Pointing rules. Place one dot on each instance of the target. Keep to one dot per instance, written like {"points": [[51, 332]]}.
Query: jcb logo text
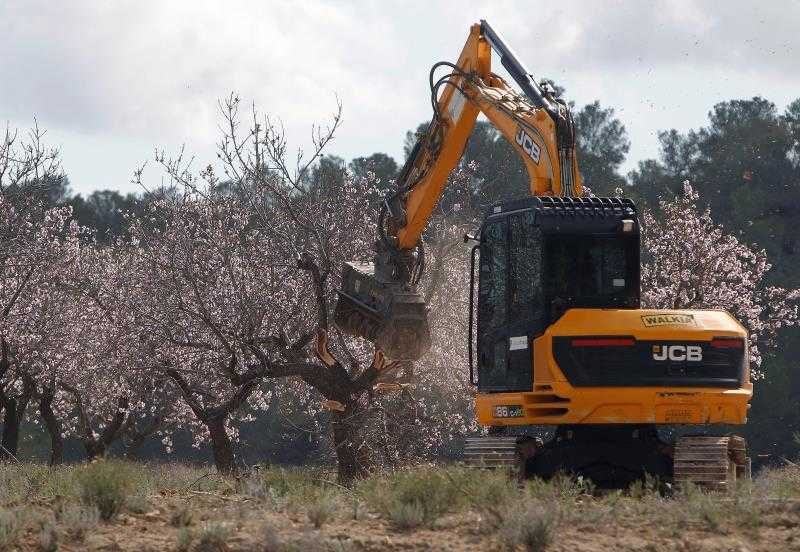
{"points": [[528, 145], [678, 353]]}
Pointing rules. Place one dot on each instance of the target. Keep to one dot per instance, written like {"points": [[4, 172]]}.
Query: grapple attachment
{"points": [[382, 311]]}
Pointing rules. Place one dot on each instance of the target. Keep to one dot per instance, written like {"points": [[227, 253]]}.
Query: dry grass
{"points": [[213, 538], [10, 528], [107, 486], [98, 506], [412, 498], [322, 509], [531, 526], [78, 520]]}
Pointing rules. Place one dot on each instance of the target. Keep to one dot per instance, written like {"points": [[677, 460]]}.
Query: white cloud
{"points": [[110, 77]]}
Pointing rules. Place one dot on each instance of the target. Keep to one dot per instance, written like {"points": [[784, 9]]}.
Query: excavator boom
{"points": [[378, 300]]}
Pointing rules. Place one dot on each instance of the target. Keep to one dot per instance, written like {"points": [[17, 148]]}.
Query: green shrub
{"points": [[780, 483], [281, 488], [138, 503], [106, 485], [487, 491], [182, 517], [559, 486], [10, 528], [47, 537], [408, 515], [270, 541], [288, 482], [412, 498], [309, 541], [698, 505], [322, 509], [174, 476], [530, 526], [185, 540], [649, 487], [213, 538], [19, 482], [78, 520]]}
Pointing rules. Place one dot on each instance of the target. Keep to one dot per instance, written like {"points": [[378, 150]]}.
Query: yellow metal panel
{"points": [[554, 401]]}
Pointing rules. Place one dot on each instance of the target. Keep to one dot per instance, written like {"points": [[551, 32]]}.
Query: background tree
{"points": [[30, 175], [743, 165], [602, 144], [694, 263]]}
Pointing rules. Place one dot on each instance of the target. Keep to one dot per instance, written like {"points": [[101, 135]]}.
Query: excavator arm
{"points": [[537, 125], [379, 301]]}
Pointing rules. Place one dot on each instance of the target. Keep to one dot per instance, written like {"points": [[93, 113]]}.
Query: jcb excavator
{"points": [[560, 337]]}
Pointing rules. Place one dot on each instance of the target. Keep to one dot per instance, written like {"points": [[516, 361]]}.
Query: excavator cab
{"points": [[539, 257]]}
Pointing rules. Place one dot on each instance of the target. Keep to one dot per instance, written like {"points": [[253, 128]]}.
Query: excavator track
{"points": [[493, 453], [713, 463]]}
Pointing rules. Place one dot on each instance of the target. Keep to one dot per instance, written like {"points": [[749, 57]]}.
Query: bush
{"points": [[703, 506], [281, 488], [311, 541], [106, 485], [288, 483], [185, 540], [10, 528], [322, 509], [79, 520], [270, 541], [138, 503], [182, 517], [530, 526], [19, 482], [213, 538], [487, 491], [175, 476], [780, 483], [408, 515], [560, 486], [412, 498], [47, 538]]}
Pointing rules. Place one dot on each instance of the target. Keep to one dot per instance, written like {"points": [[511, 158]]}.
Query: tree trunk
{"points": [[93, 448], [348, 456], [15, 413], [133, 443], [221, 446], [10, 440], [97, 445], [53, 426]]}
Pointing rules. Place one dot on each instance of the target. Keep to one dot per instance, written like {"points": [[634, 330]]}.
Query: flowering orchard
{"points": [[691, 262], [218, 305]]}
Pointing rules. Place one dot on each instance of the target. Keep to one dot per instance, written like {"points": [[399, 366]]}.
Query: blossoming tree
{"points": [[692, 262]]}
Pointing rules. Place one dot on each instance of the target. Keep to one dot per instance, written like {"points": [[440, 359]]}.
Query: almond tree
{"points": [[39, 244], [692, 262], [27, 166], [237, 275], [203, 292], [436, 407], [106, 384]]}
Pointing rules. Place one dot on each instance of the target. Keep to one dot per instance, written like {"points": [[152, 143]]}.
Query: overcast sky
{"points": [[112, 81]]}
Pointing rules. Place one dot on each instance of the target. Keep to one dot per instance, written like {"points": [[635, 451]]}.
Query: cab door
{"points": [[510, 310]]}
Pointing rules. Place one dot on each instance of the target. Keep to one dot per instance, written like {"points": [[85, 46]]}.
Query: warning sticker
{"points": [[457, 101]]}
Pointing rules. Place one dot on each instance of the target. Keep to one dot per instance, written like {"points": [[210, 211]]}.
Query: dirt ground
{"points": [[779, 530], [202, 515]]}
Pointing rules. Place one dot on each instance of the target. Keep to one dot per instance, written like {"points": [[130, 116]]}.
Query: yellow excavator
{"points": [[556, 334]]}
